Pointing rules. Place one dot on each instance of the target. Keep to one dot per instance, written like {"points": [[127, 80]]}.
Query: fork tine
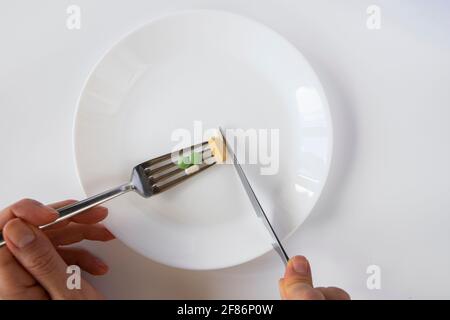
{"points": [[167, 156], [156, 160], [164, 187], [195, 146], [165, 167], [176, 171], [168, 175], [161, 168]]}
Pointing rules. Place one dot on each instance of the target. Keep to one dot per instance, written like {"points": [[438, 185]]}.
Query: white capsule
{"points": [[192, 169]]}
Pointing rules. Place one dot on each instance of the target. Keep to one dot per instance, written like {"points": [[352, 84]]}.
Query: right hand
{"points": [[297, 284]]}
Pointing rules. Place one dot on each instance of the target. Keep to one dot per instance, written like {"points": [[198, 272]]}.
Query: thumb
{"points": [[37, 255], [297, 282]]}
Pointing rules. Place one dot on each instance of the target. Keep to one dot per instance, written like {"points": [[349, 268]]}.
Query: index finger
{"points": [[29, 210], [91, 216], [13, 277]]}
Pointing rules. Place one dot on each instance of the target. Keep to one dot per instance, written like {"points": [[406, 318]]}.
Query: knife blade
{"points": [[276, 243]]}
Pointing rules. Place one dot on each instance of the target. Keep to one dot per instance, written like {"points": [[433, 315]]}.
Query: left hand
{"points": [[34, 263]]}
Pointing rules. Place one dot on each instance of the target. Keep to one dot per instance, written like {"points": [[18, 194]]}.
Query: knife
{"points": [[276, 243]]}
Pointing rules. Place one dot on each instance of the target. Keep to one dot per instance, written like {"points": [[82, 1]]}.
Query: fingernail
{"points": [[101, 264], [19, 233], [53, 211], [300, 265], [105, 209], [112, 236]]}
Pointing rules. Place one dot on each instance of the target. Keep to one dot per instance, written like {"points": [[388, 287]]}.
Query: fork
{"points": [[147, 179]]}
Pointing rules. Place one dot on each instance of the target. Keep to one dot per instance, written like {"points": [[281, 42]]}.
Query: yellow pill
{"points": [[218, 148]]}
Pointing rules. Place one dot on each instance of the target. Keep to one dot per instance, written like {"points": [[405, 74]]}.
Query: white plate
{"points": [[221, 69]]}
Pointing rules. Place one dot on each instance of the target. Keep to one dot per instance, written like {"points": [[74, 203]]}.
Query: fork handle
{"points": [[78, 207]]}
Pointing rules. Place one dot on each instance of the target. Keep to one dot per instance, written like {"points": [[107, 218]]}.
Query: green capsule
{"points": [[183, 163], [187, 161], [196, 157]]}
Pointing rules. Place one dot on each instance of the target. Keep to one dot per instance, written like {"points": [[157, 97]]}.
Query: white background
{"points": [[387, 198]]}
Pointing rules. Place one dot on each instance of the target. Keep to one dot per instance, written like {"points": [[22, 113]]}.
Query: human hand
{"points": [[34, 263], [297, 284]]}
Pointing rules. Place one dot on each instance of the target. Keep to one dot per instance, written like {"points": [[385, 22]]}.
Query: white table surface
{"points": [[387, 198]]}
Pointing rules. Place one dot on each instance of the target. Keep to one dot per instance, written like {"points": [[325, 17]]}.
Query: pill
{"points": [[196, 157], [191, 159], [192, 169], [218, 148]]}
